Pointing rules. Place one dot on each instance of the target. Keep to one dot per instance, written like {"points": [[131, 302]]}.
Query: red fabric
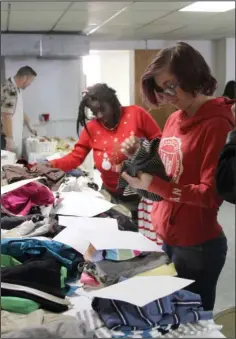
{"points": [[134, 120], [20, 201], [190, 148]]}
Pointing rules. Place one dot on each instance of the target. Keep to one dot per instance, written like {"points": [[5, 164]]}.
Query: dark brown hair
{"points": [[26, 71], [189, 67], [103, 94]]}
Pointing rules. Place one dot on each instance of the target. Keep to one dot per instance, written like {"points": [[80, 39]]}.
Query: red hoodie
{"points": [[106, 144], [190, 148]]}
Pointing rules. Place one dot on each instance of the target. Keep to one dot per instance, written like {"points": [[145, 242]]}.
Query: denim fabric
{"points": [[202, 263]]}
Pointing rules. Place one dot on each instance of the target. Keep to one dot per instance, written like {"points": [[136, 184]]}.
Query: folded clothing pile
{"points": [[108, 272], [20, 201], [53, 176], [33, 284], [178, 314], [30, 248]]}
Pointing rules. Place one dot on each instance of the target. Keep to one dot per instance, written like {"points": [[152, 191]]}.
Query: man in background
{"points": [[12, 113]]}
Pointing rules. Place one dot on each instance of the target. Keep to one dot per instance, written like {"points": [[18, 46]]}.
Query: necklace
{"points": [[110, 129]]}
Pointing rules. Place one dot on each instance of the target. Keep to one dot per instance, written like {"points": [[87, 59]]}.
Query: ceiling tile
{"points": [[3, 20], [134, 18], [39, 6], [78, 18], [100, 6], [161, 27], [161, 6], [187, 18], [33, 21]]}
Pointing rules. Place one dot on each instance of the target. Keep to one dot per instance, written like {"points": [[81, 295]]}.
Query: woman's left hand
{"points": [[142, 181]]}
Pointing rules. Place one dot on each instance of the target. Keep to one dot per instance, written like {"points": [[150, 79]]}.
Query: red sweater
{"points": [[106, 144], [190, 149]]}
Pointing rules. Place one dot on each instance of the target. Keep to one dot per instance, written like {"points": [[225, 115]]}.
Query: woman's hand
{"points": [[142, 181], [130, 146]]}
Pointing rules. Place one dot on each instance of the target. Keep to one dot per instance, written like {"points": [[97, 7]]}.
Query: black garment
{"points": [[202, 263], [42, 275], [146, 160], [226, 170], [8, 223], [130, 202], [124, 222], [3, 142]]}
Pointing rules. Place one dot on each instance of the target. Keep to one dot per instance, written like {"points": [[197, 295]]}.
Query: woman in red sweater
{"points": [[110, 126], [192, 140]]}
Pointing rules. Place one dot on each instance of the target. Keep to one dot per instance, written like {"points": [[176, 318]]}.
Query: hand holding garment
{"points": [[20, 201], [148, 162]]}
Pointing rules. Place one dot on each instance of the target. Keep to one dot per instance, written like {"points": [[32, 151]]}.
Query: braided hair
{"points": [[103, 94]]}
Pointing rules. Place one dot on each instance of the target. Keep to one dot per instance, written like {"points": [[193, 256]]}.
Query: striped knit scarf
{"points": [[146, 160]]}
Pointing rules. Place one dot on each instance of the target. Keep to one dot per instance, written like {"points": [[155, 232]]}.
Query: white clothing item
{"points": [[18, 121]]}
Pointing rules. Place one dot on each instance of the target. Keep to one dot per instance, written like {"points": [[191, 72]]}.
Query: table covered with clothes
{"points": [[46, 284]]}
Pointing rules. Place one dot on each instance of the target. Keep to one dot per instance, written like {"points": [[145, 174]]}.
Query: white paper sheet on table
{"points": [[103, 236], [142, 290], [78, 230], [123, 240], [88, 224], [74, 239], [15, 185], [82, 204]]}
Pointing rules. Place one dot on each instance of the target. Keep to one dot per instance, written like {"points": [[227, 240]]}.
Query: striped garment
{"points": [[145, 221], [95, 327], [147, 160], [181, 307]]}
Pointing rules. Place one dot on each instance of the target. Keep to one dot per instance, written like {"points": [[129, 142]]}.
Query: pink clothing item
{"points": [[21, 200], [88, 280]]}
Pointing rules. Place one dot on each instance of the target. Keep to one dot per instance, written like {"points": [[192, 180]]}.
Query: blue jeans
{"points": [[202, 263]]}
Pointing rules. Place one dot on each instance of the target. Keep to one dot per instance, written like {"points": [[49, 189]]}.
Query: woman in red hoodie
{"points": [[111, 124], [191, 142]]}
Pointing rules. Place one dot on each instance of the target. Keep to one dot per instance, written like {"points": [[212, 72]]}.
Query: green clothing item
{"points": [[8, 261], [18, 305], [21, 305]]}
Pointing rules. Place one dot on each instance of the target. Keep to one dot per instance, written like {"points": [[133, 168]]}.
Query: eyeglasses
{"points": [[169, 90]]}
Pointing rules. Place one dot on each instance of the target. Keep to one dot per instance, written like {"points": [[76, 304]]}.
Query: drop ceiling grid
{"points": [[139, 20], [32, 20]]}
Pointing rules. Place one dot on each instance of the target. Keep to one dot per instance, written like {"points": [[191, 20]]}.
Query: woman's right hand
{"points": [[130, 146]]}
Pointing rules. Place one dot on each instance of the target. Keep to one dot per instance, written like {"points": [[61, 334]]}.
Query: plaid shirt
{"points": [[8, 97]]}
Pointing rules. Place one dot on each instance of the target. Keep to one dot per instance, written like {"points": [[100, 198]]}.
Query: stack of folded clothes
{"points": [[177, 315]]}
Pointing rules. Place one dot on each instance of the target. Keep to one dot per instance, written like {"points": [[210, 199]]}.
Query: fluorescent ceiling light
{"points": [[209, 6]]}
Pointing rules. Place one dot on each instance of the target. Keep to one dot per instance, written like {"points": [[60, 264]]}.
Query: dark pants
{"points": [[3, 142], [202, 263]]}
